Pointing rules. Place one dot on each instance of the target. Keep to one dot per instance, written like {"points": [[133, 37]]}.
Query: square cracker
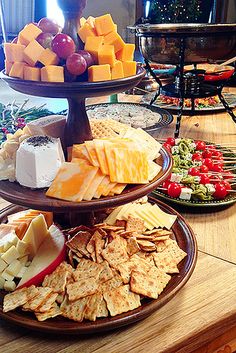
{"points": [[106, 273], [134, 263], [18, 298], [116, 252], [79, 242], [73, 310], [144, 284], [82, 288], [48, 303], [52, 312], [175, 251], [87, 268], [115, 282], [165, 262], [135, 224], [121, 300], [92, 306], [57, 280], [38, 300]]}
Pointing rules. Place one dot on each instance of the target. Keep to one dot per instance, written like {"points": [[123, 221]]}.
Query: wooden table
{"points": [[202, 316]]}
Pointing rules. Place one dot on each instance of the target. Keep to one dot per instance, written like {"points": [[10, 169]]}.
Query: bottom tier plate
{"points": [[186, 240]]}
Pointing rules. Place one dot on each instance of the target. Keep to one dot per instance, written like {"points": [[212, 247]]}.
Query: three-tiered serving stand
{"points": [[69, 214]]}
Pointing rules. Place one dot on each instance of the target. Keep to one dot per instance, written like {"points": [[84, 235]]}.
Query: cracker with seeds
{"points": [[165, 262], [82, 288], [79, 242], [37, 301], [48, 303], [106, 272], [18, 298], [146, 245], [134, 263], [87, 268], [92, 306], [57, 280], [135, 224], [144, 284], [99, 243], [73, 310], [116, 252], [115, 282], [52, 312], [121, 300]]}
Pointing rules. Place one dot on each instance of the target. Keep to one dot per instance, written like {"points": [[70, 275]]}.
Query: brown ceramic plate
{"points": [[17, 194], [186, 240]]}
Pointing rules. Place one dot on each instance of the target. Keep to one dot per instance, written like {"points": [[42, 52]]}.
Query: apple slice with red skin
{"points": [[49, 255]]}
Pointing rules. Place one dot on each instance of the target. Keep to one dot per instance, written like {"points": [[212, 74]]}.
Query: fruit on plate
{"points": [[41, 52], [49, 255], [199, 171]]}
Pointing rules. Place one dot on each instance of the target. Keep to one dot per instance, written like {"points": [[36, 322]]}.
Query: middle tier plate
{"points": [[36, 199]]}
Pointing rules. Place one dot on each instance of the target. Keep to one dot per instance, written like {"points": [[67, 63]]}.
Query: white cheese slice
{"points": [[111, 219], [10, 255], [176, 178], [14, 268]]}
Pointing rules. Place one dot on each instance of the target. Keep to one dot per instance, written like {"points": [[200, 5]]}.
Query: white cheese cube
{"points": [[192, 145], [175, 149], [176, 178], [14, 268], [10, 255], [177, 141], [185, 193], [188, 156], [7, 276], [22, 247], [23, 260], [9, 286], [2, 281], [3, 265], [197, 178], [210, 188], [21, 272], [197, 163], [7, 241]]}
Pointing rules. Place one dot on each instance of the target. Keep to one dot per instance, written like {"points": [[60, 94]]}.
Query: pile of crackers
{"points": [[112, 268]]}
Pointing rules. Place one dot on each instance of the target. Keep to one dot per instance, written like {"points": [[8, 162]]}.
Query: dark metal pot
{"points": [[203, 42]]}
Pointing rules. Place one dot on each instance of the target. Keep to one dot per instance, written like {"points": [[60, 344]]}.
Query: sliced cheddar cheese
{"points": [[101, 156], [90, 192], [80, 151], [92, 153]]}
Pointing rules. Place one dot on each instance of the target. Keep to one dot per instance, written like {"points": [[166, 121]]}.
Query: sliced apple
{"points": [[49, 255]]}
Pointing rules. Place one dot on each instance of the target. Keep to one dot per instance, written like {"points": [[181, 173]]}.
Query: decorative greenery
{"points": [[14, 116], [175, 11]]}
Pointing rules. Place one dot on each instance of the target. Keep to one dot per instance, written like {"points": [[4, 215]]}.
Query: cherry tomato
{"points": [[170, 141], [204, 179], [174, 190], [200, 145], [217, 167], [226, 184], [167, 146], [197, 156], [208, 162], [204, 168], [220, 191], [194, 171], [215, 179], [229, 175], [165, 184], [206, 154], [217, 153]]}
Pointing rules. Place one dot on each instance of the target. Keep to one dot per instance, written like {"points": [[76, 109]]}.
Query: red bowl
{"points": [[221, 76]]}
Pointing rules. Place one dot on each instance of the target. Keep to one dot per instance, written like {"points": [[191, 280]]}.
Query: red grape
{"points": [[200, 145], [194, 171], [87, 56], [220, 191], [170, 141], [49, 26], [174, 190], [63, 45], [76, 64], [45, 39]]}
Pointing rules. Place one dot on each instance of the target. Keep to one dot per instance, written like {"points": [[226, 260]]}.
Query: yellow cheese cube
{"points": [[3, 265], [14, 268], [86, 31], [126, 53], [106, 55], [17, 70], [29, 33], [2, 282], [48, 57], [130, 68], [104, 24], [52, 73], [99, 73], [82, 21], [93, 45], [91, 20], [32, 73], [8, 66], [113, 38], [9, 286], [14, 52], [117, 71], [7, 276], [10, 255], [33, 52]]}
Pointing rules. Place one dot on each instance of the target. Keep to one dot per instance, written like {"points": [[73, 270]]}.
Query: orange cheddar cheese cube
{"points": [[82, 21], [86, 31], [52, 73], [32, 73], [33, 52], [117, 70], [126, 53], [8, 66], [48, 57], [106, 55], [130, 68], [93, 45], [14, 52], [99, 73], [29, 33], [91, 20], [17, 70], [104, 24], [113, 38]]}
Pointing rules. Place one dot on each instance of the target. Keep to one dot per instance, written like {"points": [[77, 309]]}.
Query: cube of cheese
{"points": [[2, 282], [93, 45], [7, 276], [17, 70], [52, 73], [48, 57], [22, 248], [14, 268], [9, 286], [104, 24], [113, 38], [29, 33], [91, 21], [32, 73], [21, 272], [14, 52], [8, 66], [106, 55], [3, 265], [10, 239], [99, 73], [33, 52], [117, 70], [130, 68], [86, 31], [82, 21], [126, 53], [10, 255]]}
